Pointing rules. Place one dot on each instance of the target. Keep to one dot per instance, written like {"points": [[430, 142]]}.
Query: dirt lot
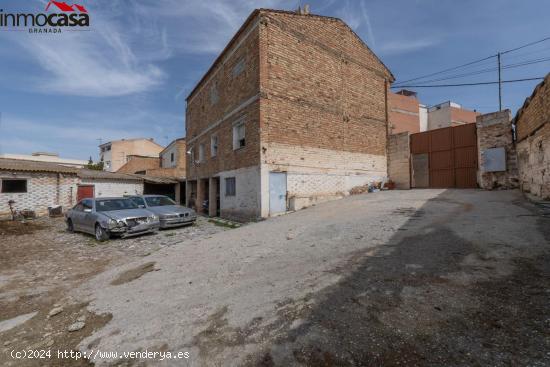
{"points": [[42, 263], [415, 278]]}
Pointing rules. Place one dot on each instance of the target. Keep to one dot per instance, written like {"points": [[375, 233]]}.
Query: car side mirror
{"points": [[87, 210]]}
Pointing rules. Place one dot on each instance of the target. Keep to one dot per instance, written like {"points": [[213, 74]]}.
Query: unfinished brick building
{"points": [[292, 112]]}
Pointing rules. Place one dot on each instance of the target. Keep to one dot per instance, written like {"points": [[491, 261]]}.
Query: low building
{"points": [[291, 113], [532, 125], [36, 186], [46, 157], [117, 153], [448, 114]]}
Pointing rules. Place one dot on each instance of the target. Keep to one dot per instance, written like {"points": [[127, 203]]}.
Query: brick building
{"points": [[532, 124], [292, 112], [406, 113]]}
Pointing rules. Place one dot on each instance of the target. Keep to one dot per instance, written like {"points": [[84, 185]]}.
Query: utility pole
{"points": [[499, 84]]}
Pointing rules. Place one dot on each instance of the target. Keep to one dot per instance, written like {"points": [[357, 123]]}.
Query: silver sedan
{"points": [[104, 217], [170, 213]]}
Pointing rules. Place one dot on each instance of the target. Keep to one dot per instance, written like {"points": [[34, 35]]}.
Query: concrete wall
{"points": [[399, 155], [246, 204], [43, 190], [494, 130], [107, 188]]}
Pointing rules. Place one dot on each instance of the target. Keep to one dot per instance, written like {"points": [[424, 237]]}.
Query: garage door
{"points": [[84, 192], [451, 157]]}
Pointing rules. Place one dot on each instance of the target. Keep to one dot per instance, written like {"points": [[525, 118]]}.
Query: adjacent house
{"points": [[292, 112], [36, 186], [117, 153], [532, 127], [449, 114], [164, 174], [406, 113]]}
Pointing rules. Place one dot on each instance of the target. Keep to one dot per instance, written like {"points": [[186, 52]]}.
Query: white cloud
{"points": [[99, 63], [405, 46]]}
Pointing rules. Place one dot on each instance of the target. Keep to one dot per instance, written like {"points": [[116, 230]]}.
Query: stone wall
{"points": [[494, 130], [399, 155], [533, 141]]}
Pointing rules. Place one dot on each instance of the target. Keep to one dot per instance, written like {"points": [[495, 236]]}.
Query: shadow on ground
{"points": [[414, 302]]}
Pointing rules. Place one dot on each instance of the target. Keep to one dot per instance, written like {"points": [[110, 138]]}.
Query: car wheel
{"points": [[100, 233], [70, 226]]}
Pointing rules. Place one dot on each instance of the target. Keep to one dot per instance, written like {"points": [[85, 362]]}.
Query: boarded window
{"points": [[172, 157], [10, 186], [230, 186], [214, 96], [239, 136], [238, 68], [201, 153], [213, 146]]}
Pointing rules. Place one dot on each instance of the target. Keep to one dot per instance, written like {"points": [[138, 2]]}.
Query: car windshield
{"points": [[159, 201], [114, 204]]}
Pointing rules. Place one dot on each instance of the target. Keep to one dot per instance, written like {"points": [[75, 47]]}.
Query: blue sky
{"points": [[128, 77]]}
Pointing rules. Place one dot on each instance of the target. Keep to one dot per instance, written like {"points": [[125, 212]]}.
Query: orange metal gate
{"points": [[450, 154]]}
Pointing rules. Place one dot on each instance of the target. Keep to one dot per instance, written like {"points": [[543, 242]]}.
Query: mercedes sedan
{"points": [[106, 217], [169, 213]]}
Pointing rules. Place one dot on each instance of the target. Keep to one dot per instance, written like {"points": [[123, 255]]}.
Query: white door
{"points": [[277, 192]]}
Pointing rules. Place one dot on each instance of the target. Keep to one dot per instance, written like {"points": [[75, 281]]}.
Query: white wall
{"points": [[246, 203], [165, 157], [106, 188]]}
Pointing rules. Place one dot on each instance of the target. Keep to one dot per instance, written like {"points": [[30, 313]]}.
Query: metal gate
{"points": [[450, 154]]}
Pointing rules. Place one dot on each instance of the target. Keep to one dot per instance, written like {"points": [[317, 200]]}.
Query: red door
{"points": [[84, 192]]}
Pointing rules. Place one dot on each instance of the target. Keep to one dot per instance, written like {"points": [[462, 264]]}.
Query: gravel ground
{"points": [[40, 266], [416, 278]]}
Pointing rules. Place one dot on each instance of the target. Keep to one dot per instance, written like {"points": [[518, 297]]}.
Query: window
{"points": [[87, 204], [230, 186], [238, 68], [192, 150], [172, 157], [107, 164], [213, 146], [239, 136], [11, 186], [214, 96], [139, 201], [201, 153]]}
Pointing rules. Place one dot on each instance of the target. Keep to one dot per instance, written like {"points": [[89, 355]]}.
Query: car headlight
{"points": [[153, 218]]}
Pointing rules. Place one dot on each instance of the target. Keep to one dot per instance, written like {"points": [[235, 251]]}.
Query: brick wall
{"points": [[399, 154], [494, 130], [403, 113], [136, 164], [43, 190], [229, 93]]}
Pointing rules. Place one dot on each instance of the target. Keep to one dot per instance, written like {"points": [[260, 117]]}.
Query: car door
{"points": [[77, 216], [88, 216]]}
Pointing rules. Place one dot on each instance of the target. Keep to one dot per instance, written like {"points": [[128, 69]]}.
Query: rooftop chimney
{"points": [[304, 10]]}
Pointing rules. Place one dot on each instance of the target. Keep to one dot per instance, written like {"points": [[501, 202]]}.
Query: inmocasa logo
{"points": [[61, 16]]}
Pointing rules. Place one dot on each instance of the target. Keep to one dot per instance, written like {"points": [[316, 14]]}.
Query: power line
{"points": [[473, 62], [526, 45], [466, 84], [450, 69]]}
